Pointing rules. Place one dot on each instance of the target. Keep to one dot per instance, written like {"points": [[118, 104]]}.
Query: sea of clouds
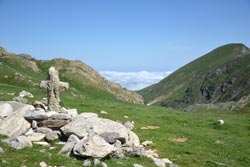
{"points": [[135, 80]]}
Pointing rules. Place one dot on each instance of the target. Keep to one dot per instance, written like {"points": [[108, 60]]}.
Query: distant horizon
{"points": [[157, 36]]}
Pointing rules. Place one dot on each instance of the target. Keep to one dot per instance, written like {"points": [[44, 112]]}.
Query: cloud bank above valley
{"points": [[135, 80]]}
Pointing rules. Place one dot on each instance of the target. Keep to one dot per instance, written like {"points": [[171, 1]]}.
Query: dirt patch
{"points": [[178, 139], [151, 127]]}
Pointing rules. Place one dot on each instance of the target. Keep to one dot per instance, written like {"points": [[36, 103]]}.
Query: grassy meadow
{"points": [[207, 144]]}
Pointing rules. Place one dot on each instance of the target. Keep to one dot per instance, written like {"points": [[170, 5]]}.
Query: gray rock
{"points": [[20, 99], [1, 150], [110, 137], [161, 162], [104, 164], [147, 143], [103, 112], [129, 125], [16, 105], [18, 142], [95, 147], [43, 164], [38, 114], [36, 136], [81, 125], [96, 162], [137, 165], [34, 124], [5, 110], [60, 116], [39, 105], [25, 94], [72, 140], [43, 130], [15, 124], [41, 143], [51, 136], [87, 163]]}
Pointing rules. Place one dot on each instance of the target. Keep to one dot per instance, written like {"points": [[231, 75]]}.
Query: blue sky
{"points": [[154, 36]]}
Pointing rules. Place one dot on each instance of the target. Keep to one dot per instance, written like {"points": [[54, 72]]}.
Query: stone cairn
{"points": [[86, 135]]}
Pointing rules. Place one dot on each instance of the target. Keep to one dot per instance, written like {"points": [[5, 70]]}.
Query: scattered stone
{"points": [[87, 163], [25, 94], [72, 140], [173, 165], [43, 164], [18, 142], [36, 136], [129, 125], [147, 143], [41, 143], [4, 161], [42, 150], [1, 150], [137, 165], [103, 112], [104, 164], [178, 139], [6, 110], [220, 122], [125, 116], [161, 162], [51, 136], [39, 105], [150, 154], [20, 99], [43, 130], [96, 162], [219, 142], [95, 146], [28, 132], [10, 94]]}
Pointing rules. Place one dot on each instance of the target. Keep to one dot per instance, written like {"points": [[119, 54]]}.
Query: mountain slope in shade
{"points": [[221, 75], [24, 71]]}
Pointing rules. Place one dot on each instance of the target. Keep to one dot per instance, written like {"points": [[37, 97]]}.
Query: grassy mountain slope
{"points": [[207, 144], [219, 76], [25, 72]]}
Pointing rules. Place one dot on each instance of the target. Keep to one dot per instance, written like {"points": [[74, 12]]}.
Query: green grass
{"points": [[200, 149]]}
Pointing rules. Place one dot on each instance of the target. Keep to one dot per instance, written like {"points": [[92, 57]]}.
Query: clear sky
{"points": [[123, 35]]}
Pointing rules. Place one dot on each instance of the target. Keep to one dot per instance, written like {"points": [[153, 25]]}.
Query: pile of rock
{"points": [[87, 135]]}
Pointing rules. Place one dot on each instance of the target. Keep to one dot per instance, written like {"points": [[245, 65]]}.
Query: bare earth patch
{"points": [[178, 139], [151, 127]]}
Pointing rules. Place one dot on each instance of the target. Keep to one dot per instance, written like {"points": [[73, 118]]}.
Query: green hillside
{"points": [[207, 144], [221, 75], [23, 72]]}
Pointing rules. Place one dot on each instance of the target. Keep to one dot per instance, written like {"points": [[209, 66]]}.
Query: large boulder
{"points": [[18, 142], [86, 122], [5, 110], [94, 146], [15, 124]]}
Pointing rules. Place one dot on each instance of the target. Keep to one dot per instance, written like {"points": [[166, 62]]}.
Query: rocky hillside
{"points": [[24, 71], [222, 75]]}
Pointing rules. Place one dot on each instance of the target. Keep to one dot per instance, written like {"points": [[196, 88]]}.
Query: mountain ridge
{"points": [[23, 70], [217, 76]]}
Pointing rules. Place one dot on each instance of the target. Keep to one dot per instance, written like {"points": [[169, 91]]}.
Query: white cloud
{"points": [[134, 80]]}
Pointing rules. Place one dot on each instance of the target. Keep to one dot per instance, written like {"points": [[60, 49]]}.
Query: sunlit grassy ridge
{"points": [[225, 68]]}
